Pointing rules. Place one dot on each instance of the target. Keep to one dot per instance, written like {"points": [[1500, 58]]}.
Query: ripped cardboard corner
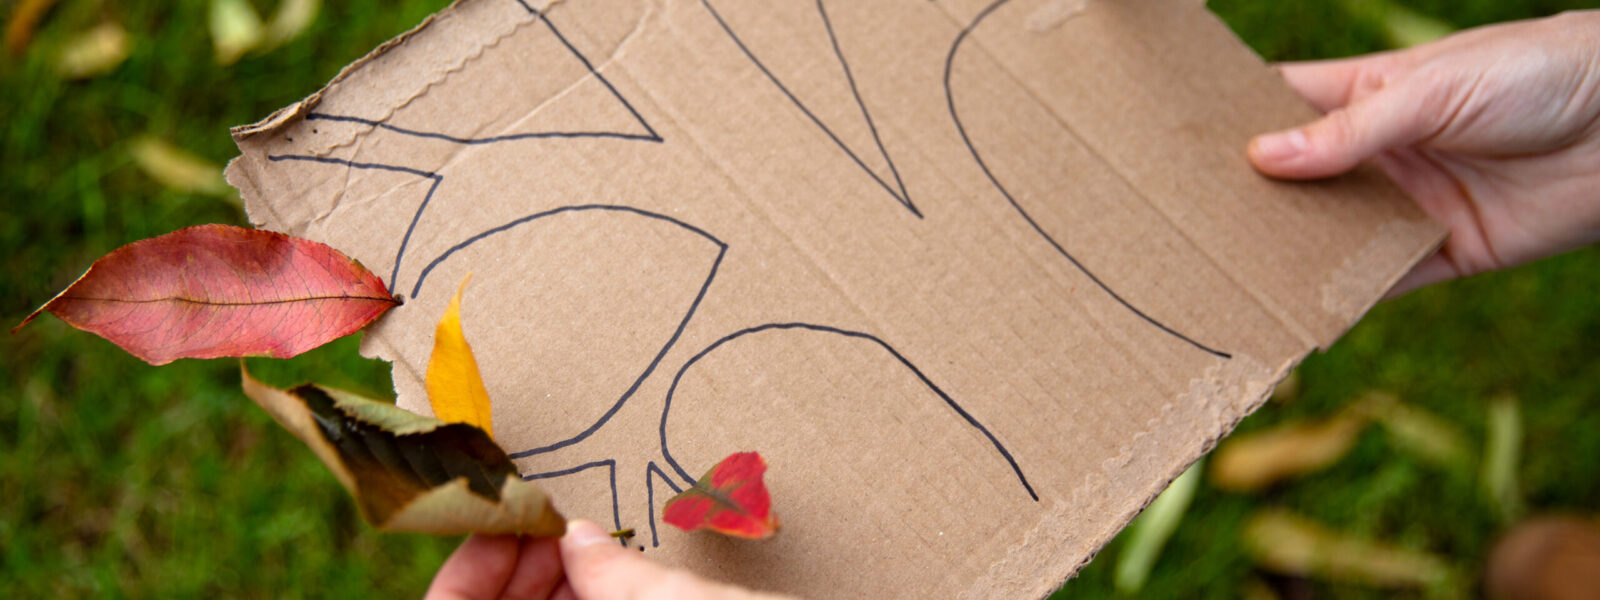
{"points": [[977, 277]]}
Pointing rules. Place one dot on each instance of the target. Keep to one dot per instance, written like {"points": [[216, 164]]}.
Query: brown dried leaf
{"points": [[409, 472], [1253, 461]]}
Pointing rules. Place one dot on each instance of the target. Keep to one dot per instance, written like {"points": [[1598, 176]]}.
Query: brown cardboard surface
{"points": [[977, 277]]}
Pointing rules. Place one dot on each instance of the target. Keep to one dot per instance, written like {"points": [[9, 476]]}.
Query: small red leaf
{"points": [[730, 499], [216, 290]]}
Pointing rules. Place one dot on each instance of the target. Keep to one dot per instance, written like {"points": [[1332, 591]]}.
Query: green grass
{"points": [[122, 479]]}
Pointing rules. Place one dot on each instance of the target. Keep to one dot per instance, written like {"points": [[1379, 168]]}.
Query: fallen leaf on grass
{"points": [[235, 29], [1149, 532], [216, 290], [94, 52], [455, 387], [409, 472], [1502, 450], [291, 20], [730, 499], [25, 18], [1285, 543], [1256, 460], [179, 170], [1417, 431]]}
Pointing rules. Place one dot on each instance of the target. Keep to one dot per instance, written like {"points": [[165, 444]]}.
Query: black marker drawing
{"points": [[722, 249], [611, 471], [949, 67], [436, 178], [666, 407], [901, 195], [652, 469], [648, 135]]}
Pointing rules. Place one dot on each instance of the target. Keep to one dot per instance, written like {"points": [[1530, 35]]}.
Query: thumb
{"points": [[1389, 118], [598, 568]]}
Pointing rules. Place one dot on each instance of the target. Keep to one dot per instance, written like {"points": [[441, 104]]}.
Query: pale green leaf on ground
{"points": [[1149, 532], [1502, 452], [291, 20], [408, 472], [1285, 543], [235, 29], [1252, 461], [179, 170], [1417, 431], [94, 52]]}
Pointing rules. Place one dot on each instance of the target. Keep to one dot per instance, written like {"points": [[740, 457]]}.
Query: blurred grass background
{"points": [[121, 479]]}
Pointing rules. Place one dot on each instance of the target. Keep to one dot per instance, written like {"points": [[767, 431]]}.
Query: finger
{"points": [[599, 569], [1325, 84], [538, 570], [478, 570], [1431, 270], [1392, 117]]}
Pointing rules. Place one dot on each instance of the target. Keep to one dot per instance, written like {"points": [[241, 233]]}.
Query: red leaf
{"points": [[217, 290], [730, 499]]}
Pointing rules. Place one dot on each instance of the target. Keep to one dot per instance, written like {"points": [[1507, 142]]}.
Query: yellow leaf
{"points": [[455, 388], [1282, 542], [94, 52]]}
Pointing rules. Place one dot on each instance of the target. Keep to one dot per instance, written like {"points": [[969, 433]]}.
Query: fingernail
{"points": [[1279, 146], [581, 533]]}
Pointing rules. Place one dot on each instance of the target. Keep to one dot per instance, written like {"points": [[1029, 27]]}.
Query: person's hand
{"points": [[586, 564], [1495, 132]]}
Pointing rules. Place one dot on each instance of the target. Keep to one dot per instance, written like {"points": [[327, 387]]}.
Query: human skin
{"points": [[584, 564], [1494, 132]]}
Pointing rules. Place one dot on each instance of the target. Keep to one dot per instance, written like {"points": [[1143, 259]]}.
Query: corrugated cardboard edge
{"points": [[1030, 570], [289, 113], [239, 172], [1228, 391], [1342, 293]]}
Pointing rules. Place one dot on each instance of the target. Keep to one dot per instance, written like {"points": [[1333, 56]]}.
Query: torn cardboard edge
{"points": [[818, 304]]}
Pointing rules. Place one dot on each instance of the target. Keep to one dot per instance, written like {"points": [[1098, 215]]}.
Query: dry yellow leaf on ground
{"points": [[1252, 461], [455, 388], [95, 52]]}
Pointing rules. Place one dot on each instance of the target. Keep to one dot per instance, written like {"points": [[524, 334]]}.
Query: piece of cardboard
{"points": [[977, 277]]}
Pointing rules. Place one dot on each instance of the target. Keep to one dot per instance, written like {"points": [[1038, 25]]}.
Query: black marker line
{"points": [[949, 95], [611, 465], [650, 136], [399, 254], [650, 496], [667, 405], [590, 66], [905, 197], [722, 251], [485, 140], [904, 201]]}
